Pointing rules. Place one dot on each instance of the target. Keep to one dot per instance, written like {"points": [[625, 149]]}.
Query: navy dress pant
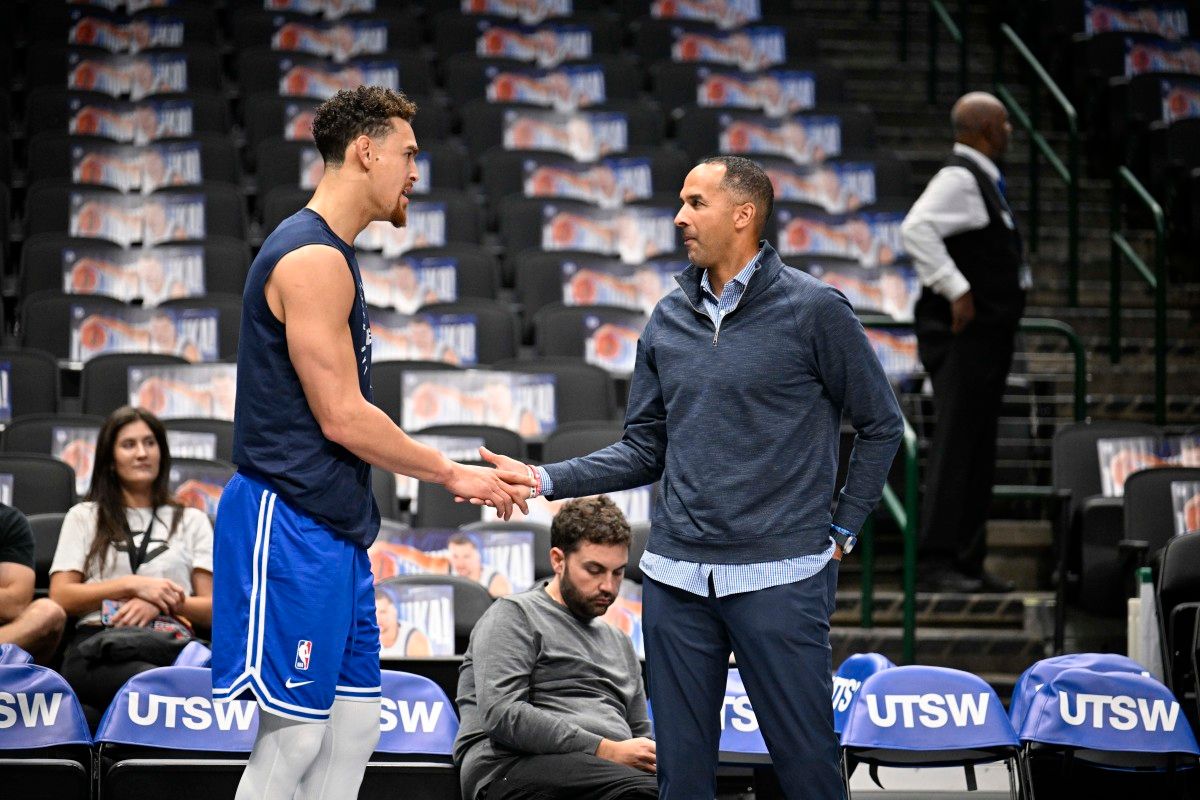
{"points": [[780, 636]]}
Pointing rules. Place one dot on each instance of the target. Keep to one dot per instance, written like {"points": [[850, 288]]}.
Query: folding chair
{"points": [[1178, 609], [56, 108], [197, 753], [849, 679], [416, 741], [46, 750], [104, 382], [470, 599], [33, 380], [1126, 726], [1046, 670], [959, 722], [41, 484]]}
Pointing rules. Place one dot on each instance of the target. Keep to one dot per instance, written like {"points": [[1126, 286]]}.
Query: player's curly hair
{"points": [[353, 112], [596, 520]]}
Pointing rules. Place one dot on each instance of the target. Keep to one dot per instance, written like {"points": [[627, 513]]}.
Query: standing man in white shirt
{"points": [[970, 258]]}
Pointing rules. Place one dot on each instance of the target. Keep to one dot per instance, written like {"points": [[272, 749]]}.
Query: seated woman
{"points": [[129, 556]]}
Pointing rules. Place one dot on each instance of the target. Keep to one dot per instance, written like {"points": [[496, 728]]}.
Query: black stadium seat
{"points": [[53, 156], [468, 77], [498, 440], [261, 69], [41, 484], [104, 383], [48, 207], [582, 392], [484, 123], [55, 108], [226, 261], [676, 85], [52, 65], [46, 528], [580, 439], [49, 23], [46, 320], [34, 433], [255, 26], [497, 332], [33, 380], [470, 599], [220, 429]]}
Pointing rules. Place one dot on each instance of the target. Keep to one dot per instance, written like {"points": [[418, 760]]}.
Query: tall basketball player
{"points": [[294, 608]]}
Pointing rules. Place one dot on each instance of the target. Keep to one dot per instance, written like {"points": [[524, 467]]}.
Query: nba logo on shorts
{"points": [[303, 653]]}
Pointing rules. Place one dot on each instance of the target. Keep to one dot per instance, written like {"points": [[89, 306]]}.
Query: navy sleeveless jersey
{"points": [[276, 438]]}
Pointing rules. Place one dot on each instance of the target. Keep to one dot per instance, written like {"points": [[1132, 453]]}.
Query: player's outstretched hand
{"points": [[497, 488]]}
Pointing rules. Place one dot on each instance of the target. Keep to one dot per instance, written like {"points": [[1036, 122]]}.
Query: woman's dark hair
{"points": [[111, 523]]}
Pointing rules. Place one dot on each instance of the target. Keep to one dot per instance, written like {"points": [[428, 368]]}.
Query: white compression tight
{"points": [[295, 760]]}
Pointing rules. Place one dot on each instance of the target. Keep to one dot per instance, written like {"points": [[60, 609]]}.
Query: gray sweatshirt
{"points": [[535, 680]]}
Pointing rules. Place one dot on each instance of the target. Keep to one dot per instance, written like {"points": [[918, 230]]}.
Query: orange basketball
{"points": [[85, 32], [91, 170], [562, 230], [608, 344], [715, 91], [87, 121], [84, 278], [152, 397], [798, 236], [83, 77], [739, 139], [289, 37], [1191, 514], [504, 87], [584, 289], [425, 402], [689, 48], [296, 81], [93, 334], [90, 220], [493, 42]]}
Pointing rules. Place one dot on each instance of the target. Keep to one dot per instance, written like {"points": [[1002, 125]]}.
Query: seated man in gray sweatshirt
{"points": [[551, 697]]}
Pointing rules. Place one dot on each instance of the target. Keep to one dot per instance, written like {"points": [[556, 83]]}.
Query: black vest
{"points": [[990, 258]]}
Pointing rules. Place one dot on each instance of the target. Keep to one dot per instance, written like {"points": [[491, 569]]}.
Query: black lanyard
{"points": [[136, 559]]}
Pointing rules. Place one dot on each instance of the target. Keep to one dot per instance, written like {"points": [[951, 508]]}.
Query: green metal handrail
{"points": [[1069, 172], [938, 12], [904, 512], [1157, 280]]}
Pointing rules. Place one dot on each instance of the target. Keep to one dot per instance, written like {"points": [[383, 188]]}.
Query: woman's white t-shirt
{"points": [[171, 556]]}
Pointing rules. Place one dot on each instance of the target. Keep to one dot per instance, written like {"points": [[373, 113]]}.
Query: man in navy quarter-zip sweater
{"points": [[743, 375]]}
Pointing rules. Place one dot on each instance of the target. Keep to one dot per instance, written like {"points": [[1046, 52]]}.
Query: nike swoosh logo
{"points": [[291, 684]]}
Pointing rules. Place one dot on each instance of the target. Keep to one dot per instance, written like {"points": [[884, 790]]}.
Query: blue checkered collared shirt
{"points": [[727, 579]]}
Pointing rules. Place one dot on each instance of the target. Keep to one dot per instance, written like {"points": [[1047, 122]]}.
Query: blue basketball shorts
{"points": [[293, 608]]}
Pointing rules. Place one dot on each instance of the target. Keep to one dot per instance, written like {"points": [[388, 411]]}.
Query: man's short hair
{"points": [[353, 112], [747, 182], [595, 520], [462, 537]]}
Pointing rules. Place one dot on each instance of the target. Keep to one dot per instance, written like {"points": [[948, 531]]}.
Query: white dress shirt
{"points": [[950, 204]]}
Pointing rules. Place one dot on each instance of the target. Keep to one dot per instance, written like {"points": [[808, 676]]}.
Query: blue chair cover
{"points": [[13, 654], [195, 654], [172, 707], [740, 735], [38, 709], [1046, 670], [1108, 711], [929, 709], [415, 717], [849, 678]]}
